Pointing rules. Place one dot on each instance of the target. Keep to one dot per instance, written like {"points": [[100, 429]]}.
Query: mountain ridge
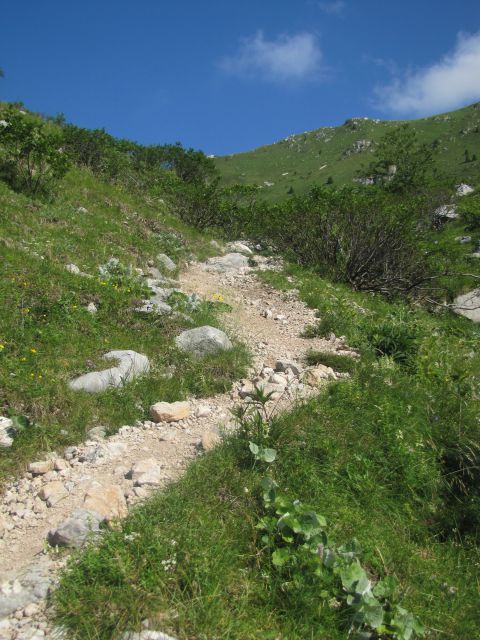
{"points": [[299, 161]]}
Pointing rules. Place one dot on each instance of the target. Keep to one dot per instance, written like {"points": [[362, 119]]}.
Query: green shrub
{"points": [[394, 337], [469, 209], [31, 155]]}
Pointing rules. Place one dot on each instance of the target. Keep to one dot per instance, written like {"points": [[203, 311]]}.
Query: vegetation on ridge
{"points": [[335, 155]]}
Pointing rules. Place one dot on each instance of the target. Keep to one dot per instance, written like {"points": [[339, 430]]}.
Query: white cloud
{"points": [[336, 7], [450, 83], [288, 57]]}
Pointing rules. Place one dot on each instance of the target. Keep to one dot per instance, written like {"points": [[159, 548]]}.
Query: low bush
{"points": [[32, 159], [469, 209]]}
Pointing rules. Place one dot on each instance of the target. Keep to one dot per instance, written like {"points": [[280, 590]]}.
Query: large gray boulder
{"points": [[228, 263], [468, 305], [131, 365], [76, 529], [203, 341]]}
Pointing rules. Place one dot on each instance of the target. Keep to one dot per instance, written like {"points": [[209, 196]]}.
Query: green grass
{"points": [[47, 334], [336, 361], [370, 454], [303, 157]]}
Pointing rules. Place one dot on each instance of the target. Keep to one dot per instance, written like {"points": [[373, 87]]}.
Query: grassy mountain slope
{"points": [[47, 335], [305, 159], [389, 457]]}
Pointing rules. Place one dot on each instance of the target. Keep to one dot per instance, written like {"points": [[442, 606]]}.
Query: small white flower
{"points": [[4, 123]]}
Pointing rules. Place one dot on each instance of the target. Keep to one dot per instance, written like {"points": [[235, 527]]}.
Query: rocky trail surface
{"points": [[65, 496]]}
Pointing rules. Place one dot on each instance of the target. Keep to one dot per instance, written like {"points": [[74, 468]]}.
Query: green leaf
{"points": [[254, 448], [363, 585], [281, 556], [19, 423], [351, 575], [385, 588], [373, 613], [269, 455]]}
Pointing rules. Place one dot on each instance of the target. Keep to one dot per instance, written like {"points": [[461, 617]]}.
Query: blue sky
{"points": [[228, 76]]}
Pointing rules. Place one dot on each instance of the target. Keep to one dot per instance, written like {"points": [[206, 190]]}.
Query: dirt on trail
{"points": [[268, 321]]}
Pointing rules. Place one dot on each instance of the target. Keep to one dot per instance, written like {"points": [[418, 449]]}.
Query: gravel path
{"points": [[269, 322]]}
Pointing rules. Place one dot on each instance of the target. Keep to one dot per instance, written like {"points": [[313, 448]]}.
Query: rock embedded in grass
{"points": [[468, 305], [97, 434], [147, 634], [464, 189], [169, 411], [154, 306], [6, 428], [166, 262], [203, 341], [210, 439], [314, 376], [239, 247], [131, 365]]}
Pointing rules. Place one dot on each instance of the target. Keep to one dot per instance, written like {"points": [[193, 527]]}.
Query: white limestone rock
{"points": [[468, 305], [232, 262], [6, 432], [464, 189], [131, 365], [239, 247], [203, 341], [169, 411], [166, 262]]}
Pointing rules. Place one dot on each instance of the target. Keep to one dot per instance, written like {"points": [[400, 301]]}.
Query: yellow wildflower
{"points": [[33, 350]]}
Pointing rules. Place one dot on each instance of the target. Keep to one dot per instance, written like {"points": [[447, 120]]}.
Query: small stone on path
{"points": [[169, 411], [76, 529], [107, 500]]}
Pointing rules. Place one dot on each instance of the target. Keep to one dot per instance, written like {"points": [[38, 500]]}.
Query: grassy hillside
{"points": [[47, 335], [389, 457], [306, 159]]}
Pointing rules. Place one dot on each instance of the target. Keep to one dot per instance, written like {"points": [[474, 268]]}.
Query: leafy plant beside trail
{"points": [[206, 558], [296, 543]]}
